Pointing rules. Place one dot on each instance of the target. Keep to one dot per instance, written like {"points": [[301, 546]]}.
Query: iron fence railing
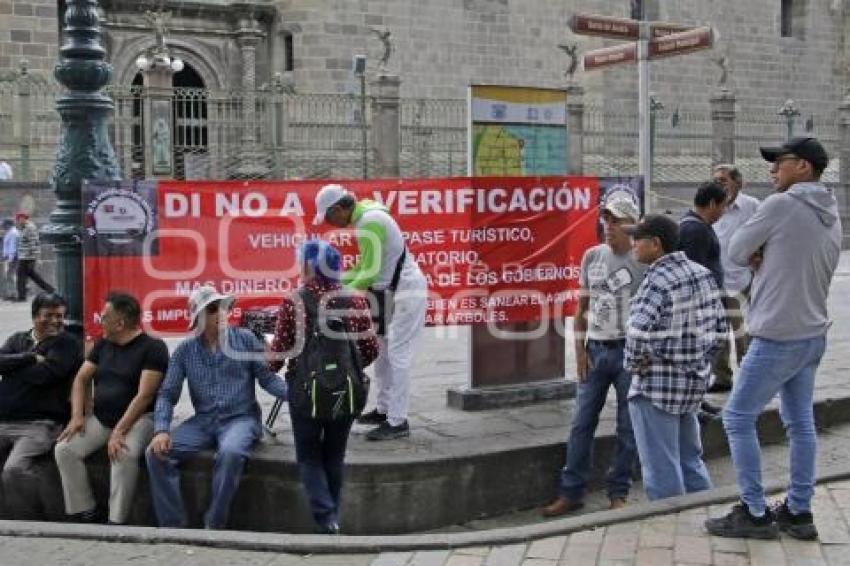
{"points": [[284, 135]]}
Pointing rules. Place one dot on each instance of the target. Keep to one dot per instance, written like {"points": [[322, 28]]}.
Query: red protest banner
{"points": [[493, 248]]}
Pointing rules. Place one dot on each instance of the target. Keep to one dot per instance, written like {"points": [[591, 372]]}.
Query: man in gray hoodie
{"points": [[792, 243]]}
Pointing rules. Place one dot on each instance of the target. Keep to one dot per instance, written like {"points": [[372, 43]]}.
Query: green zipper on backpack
{"points": [[350, 394], [314, 397]]}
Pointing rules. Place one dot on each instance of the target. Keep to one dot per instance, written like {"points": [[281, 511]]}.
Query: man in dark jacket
{"points": [[37, 367], [699, 242]]}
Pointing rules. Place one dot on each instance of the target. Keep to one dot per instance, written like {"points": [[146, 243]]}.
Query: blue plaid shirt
{"points": [[675, 325], [221, 387]]}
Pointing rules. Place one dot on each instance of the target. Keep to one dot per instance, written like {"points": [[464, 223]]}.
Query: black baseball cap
{"points": [[658, 226], [809, 149]]}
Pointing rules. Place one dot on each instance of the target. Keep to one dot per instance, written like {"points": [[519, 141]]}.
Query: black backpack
{"points": [[328, 382]]}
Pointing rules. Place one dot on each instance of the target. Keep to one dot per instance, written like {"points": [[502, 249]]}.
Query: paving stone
{"points": [[474, 550], [335, 560], [464, 560], [429, 558], [766, 553], [657, 534], [581, 554], [724, 544], [693, 549], [592, 536], [548, 548], [729, 559], [511, 555], [392, 559], [618, 546], [654, 556], [837, 554], [539, 562]]}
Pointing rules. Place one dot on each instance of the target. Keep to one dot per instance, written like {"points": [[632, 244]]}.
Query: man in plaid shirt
{"points": [[674, 327]]}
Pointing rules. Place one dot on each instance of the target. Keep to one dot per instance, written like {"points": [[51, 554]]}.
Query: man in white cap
{"points": [[222, 365], [399, 289], [610, 276]]}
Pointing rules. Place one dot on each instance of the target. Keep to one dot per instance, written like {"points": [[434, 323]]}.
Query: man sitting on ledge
{"points": [[126, 366], [222, 366], [37, 366]]}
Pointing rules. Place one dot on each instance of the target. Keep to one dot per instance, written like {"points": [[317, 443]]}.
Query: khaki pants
{"points": [[721, 365], [70, 459]]}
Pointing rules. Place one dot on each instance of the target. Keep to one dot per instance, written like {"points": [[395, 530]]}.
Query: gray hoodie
{"points": [[800, 233]]}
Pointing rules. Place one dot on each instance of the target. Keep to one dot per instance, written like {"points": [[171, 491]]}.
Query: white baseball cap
{"points": [[622, 206], [203, 296], [328, 196]]}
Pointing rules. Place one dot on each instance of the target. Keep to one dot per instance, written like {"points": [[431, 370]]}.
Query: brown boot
{"points": [[561, 506], [617, 503]]}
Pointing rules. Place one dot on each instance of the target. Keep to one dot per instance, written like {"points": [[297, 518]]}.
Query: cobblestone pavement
{"points": [[677, 538]]}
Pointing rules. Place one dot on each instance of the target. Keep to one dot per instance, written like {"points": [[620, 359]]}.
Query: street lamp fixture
{"points": [[146, 62]]}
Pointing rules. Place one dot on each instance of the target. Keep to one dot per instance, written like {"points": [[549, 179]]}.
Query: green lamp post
{"points": [[85, 151]]}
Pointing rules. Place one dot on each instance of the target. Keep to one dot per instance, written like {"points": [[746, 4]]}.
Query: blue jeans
{"points": [[232, 440], [670, 450], [320, 450], [772, 367], [607, 370]]}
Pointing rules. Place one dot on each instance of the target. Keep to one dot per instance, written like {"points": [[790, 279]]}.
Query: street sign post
{"points": [[648, 41]]}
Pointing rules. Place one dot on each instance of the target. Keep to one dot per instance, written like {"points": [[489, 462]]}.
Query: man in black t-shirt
{"points": [[37, 367], [127, 367]]}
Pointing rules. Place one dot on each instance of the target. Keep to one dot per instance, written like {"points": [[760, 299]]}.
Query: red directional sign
{"points": [[604, 26], [599, 58], [682, 42], [661, 29]]}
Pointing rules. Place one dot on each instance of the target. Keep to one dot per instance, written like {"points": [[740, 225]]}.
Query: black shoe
{"points": [[386, 431], [739, 523], [329, 529], [719, 387], [372, 417], [710, 408], [800, 526], [92, 516]]}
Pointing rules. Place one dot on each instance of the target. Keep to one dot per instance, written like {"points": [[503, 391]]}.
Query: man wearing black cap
{"points": [[792, 242], [675, 326]]}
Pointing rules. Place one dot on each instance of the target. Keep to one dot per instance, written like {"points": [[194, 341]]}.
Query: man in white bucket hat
{"points": [[222, 365], [398, 289]]}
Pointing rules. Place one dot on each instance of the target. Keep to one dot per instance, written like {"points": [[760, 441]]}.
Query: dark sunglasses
{"points": [[211, 308]]}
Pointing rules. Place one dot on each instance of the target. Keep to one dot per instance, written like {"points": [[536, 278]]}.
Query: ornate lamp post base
{"points": [[85, 151]]}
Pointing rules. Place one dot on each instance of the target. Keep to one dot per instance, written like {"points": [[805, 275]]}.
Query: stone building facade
{"points": [[440, 46], [776, 50]]}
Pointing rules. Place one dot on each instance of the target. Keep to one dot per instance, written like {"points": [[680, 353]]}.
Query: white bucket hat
{"points": [[203, 296], [327, 196]]}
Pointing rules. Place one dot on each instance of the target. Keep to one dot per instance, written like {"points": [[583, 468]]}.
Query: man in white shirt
{"points": [[736, 280]]}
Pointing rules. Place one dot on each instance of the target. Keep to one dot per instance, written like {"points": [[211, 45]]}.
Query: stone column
{"points": [[251, 163], [844, 149], [575, 130], [157, 93], [386, 125], [24, 118], [722, 127], [85, 151]]}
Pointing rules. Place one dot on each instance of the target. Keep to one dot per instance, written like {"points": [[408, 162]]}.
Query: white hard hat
{"points": [[327, 196]]}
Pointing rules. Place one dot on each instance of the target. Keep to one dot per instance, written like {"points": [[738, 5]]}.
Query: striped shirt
{"points": [[675, 325], [221, 386], [29, 245]]}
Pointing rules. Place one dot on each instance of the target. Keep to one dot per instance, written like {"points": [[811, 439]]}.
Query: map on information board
{"points": [[517, 131]]}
